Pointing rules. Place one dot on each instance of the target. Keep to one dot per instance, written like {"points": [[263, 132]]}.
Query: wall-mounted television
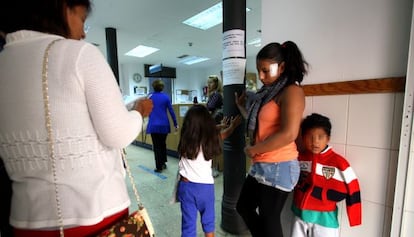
{"points": [[159, 70], [155, 68]]}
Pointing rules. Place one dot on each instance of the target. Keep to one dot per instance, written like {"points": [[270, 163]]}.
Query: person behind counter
{"points": [[90, 123], [215, 106], [159, 124], [215, 98]]}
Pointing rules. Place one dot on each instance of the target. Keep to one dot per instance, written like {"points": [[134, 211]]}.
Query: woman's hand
{"points": [[249, 151], [240, 100]]}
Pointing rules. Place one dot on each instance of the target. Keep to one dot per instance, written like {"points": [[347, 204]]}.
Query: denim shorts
{"points": [[281, 175]]}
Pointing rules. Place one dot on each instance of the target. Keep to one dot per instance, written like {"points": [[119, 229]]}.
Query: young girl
{"points": [[200, 141]]}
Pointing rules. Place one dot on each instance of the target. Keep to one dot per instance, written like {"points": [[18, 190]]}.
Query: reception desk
{"points": [[144, 139]]}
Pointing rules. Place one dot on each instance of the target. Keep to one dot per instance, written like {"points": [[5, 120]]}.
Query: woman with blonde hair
{"points": [[215, 98]]}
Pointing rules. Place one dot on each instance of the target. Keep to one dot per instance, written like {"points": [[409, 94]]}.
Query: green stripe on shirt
{"points": [[327, 219]]}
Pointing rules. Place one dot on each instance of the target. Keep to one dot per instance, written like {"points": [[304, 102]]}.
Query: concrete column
{"points": [[112, 50], [234, 173]]}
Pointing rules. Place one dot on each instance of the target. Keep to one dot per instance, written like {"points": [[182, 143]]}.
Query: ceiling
{"points": [[158, 23]]}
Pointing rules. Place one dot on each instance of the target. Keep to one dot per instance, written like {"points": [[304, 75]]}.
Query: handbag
{"points": [[137, 223]]}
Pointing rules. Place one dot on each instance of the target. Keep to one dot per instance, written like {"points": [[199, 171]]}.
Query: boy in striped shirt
{"points": [[326, 178]]}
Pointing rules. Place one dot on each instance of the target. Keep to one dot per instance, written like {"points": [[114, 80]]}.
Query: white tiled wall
{"points": [[365, 129], [370, 120], [408, 224]]}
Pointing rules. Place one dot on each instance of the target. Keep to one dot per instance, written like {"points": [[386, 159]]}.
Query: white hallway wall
{"points": [[351, 40]]}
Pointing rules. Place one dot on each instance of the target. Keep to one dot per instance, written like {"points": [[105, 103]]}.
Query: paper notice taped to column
{"points": [[234, 71]]}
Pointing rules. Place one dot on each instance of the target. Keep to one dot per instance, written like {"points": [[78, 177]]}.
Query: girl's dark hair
{"points": [[48, 16], [316, 121], [199, 131], [288, 52]]}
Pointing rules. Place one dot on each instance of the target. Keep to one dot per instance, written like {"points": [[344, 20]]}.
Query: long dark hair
{"points": [[48, 16], [288, 52], [199, 131]]}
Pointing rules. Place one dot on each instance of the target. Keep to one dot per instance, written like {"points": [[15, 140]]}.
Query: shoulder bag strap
{"points": [[48, 121]]}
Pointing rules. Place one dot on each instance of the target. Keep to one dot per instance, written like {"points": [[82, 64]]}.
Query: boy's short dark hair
{"points": [[316, 121]]}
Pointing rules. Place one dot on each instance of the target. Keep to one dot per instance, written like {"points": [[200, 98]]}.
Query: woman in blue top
{"points": [[159, 124]]}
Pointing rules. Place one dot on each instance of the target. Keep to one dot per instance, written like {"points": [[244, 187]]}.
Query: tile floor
{"points": [[155, 190]]}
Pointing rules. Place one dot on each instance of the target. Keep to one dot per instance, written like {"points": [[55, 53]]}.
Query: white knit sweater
{"points": [[90, 124]]}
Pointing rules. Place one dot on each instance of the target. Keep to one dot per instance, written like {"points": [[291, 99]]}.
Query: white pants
{"points": [[305, 229]]}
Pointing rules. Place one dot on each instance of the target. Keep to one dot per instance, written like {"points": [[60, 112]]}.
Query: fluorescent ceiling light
{"points": [[256, 42], [192, 60], [208, 18], [141, 51]]}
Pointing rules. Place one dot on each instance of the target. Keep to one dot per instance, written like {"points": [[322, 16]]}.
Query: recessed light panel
{"points": [[141, 51], [208, 18]]}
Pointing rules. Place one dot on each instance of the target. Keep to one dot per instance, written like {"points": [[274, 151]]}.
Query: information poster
{"points": [[233, 44], [233, 71]]}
